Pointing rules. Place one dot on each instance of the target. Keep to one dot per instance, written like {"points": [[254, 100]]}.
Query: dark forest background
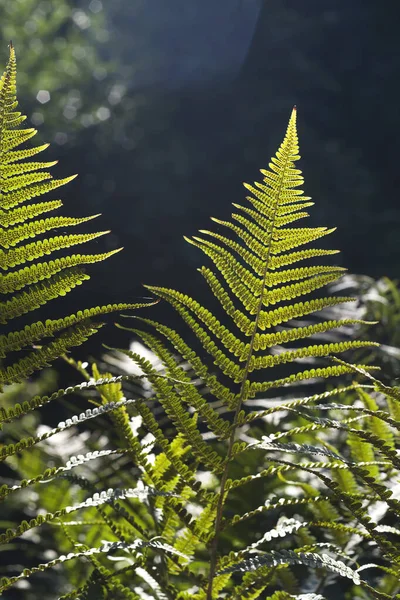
{"points": [[164, 108]]}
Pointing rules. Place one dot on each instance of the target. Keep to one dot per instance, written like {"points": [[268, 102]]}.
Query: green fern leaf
{"points": [[257, 284], [21, 181]]}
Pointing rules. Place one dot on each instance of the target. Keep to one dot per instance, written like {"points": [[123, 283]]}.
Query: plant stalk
{"points": [[241, 399]]}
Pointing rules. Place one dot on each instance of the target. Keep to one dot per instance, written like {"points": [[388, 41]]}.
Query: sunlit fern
{"points": [[29, 274], [180, 515], [255, 290]]}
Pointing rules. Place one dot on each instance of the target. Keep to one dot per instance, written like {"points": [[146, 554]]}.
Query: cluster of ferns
{"points": [[205, 474]]}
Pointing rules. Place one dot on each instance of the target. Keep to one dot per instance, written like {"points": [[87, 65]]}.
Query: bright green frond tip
{"points": [[256, 288], [26, 282]]}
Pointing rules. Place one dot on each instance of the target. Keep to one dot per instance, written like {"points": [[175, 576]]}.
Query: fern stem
{"points": [[242, 396], [232, 437], [220, 507]]}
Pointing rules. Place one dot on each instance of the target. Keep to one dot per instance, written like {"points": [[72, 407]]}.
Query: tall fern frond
{"points": [[253, 280], [29, 274], [259, 287]]}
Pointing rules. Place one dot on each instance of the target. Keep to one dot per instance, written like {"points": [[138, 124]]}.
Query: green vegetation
{"points": [[57, 36], [42, 281], [205, 471]]}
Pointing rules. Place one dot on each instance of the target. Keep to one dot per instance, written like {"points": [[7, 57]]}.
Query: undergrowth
{"points": [[244, 457]]}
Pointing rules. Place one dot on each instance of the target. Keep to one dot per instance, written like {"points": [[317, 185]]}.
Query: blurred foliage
{"points": [[35, 547], [382, 301], [58, 43], [377, 301]]}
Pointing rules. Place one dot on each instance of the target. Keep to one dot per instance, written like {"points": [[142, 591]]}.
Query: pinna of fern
{"points": [[29, 274]]}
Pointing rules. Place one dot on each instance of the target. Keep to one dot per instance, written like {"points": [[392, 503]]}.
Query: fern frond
{"points": [[99, 498], [254, 583], [257, 281], [291, 447], [299, 402], [267, 319], [380, 414], [309, 374], [367, 436], [13, 199], [184, 471], [11, 170], [52, 473], [220, 391], [187, 392], [22, 180], [16, 155], [378, 425], [22, 409], [11, 449], [256, 286], [152, 583], [273, 504], [287, 596]]}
